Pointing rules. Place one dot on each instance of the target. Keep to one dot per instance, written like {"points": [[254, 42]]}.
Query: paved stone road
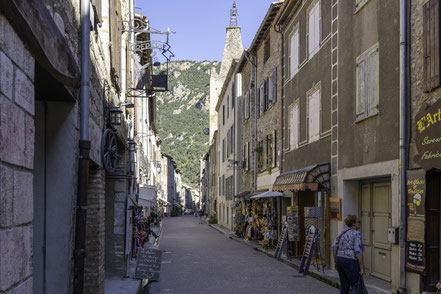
{"points": [[199, 259]]}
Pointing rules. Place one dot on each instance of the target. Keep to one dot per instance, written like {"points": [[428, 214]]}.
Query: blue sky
{"points": [[200, 24]]}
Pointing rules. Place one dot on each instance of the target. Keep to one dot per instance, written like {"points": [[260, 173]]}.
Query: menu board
{"points": [[293, 223], [148, 264], [415, 256], [335, 208]]}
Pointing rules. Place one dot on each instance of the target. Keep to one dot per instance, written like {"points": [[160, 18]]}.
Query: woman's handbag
{"points": [[359, 288]]}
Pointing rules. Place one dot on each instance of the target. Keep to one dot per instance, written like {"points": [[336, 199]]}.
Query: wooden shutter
{"points": [[275, 85], [97, 7], [431, 45], [115, 38], [294, 127]]}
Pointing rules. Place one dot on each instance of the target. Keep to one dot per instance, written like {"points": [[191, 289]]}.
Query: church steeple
{"points": [[233, 15]]}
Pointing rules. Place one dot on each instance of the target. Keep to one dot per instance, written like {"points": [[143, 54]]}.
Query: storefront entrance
{"points": [[432, 230], [376, 204]]}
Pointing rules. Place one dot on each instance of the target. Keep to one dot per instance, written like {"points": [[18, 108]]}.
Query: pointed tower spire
{"points": [[233, 15]]}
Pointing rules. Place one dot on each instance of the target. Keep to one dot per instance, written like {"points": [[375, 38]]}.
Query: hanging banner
{"points": [[416, 201], [428, 136], [416, 193]]}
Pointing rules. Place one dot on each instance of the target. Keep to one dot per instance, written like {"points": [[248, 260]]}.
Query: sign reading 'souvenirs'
{"points": [[428, 136]]}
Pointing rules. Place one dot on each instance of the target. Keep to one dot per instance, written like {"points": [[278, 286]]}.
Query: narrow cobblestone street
{"points": [[198, 259]]}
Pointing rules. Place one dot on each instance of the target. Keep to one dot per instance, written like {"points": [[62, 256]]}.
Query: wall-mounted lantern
{"points": [[132, 145], [115, 116]]}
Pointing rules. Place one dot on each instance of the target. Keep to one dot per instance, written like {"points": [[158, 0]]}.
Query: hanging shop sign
{"points": [[335, 208], [428, 136], [416, 192]]}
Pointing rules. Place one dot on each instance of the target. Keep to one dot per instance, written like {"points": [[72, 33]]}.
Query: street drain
{"points": [[166, 290]]}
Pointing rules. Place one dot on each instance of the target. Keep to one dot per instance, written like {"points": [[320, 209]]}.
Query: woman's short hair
{"points": [[350, 220]]}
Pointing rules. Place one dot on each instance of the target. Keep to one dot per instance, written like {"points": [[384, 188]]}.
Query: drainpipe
{"points": [[277, 29], [84, 148], [403, 139], [254, 64]]}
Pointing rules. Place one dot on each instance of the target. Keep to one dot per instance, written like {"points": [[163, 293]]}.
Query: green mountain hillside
{"points": [[183, 114]]}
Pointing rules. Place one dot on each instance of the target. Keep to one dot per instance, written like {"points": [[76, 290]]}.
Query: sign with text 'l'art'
{"points": [[148, 264], [428, 136]]}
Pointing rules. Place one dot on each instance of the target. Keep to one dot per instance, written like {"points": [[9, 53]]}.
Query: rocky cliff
{"points": [[183, 115]]}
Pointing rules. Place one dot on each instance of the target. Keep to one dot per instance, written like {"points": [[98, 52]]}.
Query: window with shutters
{"points": [[223, 150], [314, 29], [294, 126], [269, 151], [274, 86], [244, 157], [223, 114], [220, 185], [367, 84], [267, 49], [247, 105], [260, 155], [270, 89], [228, 106], [266, 93], [262, 100], [431, 40], [294, 53], [313, 102], [233, 95]]}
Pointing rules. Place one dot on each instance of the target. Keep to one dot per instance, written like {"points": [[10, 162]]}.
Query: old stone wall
{"points": [[247, 127], [94, 263], [16, 162]]}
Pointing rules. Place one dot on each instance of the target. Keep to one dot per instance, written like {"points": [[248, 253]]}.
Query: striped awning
{"points": [[307, 178]]}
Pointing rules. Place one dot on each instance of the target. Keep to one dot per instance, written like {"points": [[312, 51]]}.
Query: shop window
{"points": [[431, 42], [314, 116], [294, 53], [314, 30], [367, 84]]}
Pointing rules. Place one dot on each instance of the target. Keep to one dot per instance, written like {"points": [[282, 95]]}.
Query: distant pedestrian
{"points": [[201, 213], [348, 254]]}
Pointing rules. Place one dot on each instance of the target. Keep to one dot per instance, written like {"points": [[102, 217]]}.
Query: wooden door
{"points": [[375, 211], [365, 229], [432, 231], [381, 221]]}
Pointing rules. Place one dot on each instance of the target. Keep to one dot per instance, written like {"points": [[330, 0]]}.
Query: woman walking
{"points": [[348, 254]]}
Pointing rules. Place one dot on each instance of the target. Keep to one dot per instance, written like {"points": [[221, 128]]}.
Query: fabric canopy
{"points": [[243, 194], [308, 178], [268, 194]]}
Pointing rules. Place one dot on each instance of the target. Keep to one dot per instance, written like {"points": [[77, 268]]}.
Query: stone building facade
{"points": [[423, 174], [40, 119]]}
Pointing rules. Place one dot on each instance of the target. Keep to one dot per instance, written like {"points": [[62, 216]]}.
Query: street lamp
{"points": [[115, 115]]}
